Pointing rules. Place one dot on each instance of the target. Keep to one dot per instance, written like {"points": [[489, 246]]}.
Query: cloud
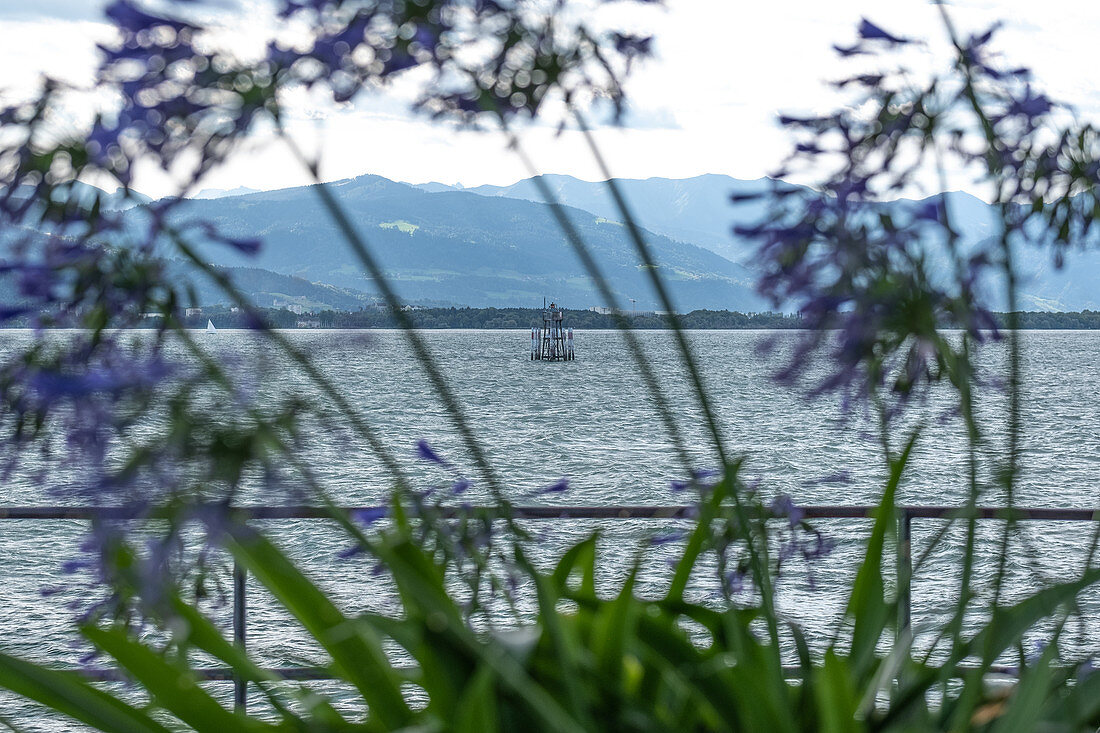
{"points": [[63, 49], [706, 103], [53, 10], [635, 117]]}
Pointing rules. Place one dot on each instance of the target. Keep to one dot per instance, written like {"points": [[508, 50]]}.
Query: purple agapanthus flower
{"points": [[370, 515], [734, 581], [872, 32], [667, 538], [349, 552], [426, 452], [784, 506], [558, 487], [128, 421]]}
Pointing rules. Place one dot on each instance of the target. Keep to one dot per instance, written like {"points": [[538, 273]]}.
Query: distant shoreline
{"points": [[524, 318]]}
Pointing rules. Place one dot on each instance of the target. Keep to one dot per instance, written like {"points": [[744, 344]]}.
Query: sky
{"points": [[707, 103]]}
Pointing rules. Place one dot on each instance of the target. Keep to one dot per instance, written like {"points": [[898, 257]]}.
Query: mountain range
{"points": [[460, 247], [696, 210], [501, 246], [699, 210]]}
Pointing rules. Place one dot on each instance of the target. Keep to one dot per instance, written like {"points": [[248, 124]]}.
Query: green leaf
{"points": [[806, 664], [65, 692], [697, 540], [356, 651], [477, 713], [867, 605], [1026, 705], [765, 696], [435, 631], [202, 633], [1008, 624], [836, 697], [1082, 703], [422, 592], [1005, 629], [563, 640], [614, 624], [687, 677], [887, 672], [582, 557], [174, 688]]}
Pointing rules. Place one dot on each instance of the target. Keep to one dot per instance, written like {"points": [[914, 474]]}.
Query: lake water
{"points": [[592, 422]]}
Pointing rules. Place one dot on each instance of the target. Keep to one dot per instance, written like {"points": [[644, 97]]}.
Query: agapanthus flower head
{"points": [[878, 282]]}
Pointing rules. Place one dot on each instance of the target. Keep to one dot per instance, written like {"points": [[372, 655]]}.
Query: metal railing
{"points": [[905, 516]]}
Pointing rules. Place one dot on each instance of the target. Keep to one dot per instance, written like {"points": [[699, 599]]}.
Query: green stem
{"points": [[299, 357], [995, 168], [664, 409], [650, 266], [359, 247]]}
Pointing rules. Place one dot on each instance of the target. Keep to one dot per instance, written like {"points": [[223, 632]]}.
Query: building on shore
{"points": [[605, 311]]}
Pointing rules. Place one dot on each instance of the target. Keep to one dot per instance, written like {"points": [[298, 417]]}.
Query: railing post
{"points": [[240, 686], [905, 569]]}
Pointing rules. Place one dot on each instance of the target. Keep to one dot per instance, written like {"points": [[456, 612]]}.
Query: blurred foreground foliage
{"points": [[587, 659]]}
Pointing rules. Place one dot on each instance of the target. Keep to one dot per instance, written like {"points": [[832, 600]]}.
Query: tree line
{"points": [[505, 318]]}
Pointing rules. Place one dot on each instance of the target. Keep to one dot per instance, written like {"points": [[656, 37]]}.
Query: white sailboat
{"points": [[210, 326]]}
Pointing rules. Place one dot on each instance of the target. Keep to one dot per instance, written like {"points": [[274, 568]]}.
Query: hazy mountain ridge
{"points": [[261, 287], [695, 210], [500, 245], [460, 247], [272, 290], [221, 193], [699, 210]]}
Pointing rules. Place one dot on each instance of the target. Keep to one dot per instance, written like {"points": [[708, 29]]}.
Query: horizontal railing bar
{"points": [[1032, 513], [683, 511], [948, 512], [312, 512], [210, 674], [225, 674]]}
